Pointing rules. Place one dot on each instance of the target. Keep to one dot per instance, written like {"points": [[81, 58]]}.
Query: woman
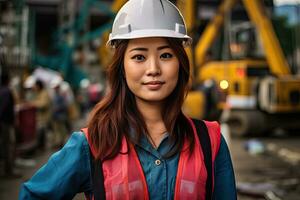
{"points": [[146, 147]]}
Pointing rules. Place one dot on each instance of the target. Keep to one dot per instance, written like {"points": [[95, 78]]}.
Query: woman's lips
{"points": [[154, 85]]}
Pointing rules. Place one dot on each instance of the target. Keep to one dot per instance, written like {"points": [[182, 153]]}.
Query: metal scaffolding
{"points": [[14, 31]]}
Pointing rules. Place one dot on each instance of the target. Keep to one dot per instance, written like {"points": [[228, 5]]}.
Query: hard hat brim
{"points": [[147, 34]]}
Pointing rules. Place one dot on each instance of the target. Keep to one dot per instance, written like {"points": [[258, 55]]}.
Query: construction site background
{"points": [[246, 65]]}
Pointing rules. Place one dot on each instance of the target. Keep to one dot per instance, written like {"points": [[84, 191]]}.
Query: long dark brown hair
{"points": [[117, 115]]}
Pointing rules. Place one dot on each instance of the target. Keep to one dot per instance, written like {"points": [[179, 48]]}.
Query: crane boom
{"points": [[274, 54], [117, 4], [211, 31], [187, 9]]}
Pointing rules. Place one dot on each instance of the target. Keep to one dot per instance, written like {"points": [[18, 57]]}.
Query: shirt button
{"points": [[157, 162]]}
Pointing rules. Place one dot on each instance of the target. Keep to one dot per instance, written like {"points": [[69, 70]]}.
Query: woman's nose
{"points": [[153, 67]]}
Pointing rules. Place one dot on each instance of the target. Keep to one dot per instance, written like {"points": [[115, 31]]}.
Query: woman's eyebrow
{"points": [[163, 47], [139, 49]]}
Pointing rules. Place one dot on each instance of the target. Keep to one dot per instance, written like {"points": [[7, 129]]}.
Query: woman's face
{"points": [[151, 68]]}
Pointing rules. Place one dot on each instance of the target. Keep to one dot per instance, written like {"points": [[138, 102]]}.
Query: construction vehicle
{"points": [[254, 94]]}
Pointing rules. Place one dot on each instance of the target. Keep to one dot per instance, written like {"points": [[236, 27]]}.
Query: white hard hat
{"points": [[29, 82], [148, 18], [56, 82]]}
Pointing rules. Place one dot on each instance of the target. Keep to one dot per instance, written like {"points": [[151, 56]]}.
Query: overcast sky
{"points": [[283, 2]]}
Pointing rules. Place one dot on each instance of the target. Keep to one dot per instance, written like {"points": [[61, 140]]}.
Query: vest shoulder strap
{"points": [[98, 180], [205, 143]]}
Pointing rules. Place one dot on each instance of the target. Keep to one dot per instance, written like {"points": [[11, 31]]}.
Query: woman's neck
{"points": [[152, 115]]}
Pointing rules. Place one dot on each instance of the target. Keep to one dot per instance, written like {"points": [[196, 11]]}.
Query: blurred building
{"points": [[49, 33]]}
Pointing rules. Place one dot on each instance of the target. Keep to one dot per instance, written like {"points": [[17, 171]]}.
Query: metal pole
{"points": [[297, 59]]}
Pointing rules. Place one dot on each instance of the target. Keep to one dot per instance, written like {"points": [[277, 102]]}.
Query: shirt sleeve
{"points": [[224, 187], [66, 173]]}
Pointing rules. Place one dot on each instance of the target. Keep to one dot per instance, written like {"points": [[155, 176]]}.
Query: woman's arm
{"points": [[224, 186], [65, 174]]}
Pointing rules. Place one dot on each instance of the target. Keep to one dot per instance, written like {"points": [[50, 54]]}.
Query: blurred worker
{"points": [[7, 119], [83, 96], [138, 143], [41, 101], [95, 94], [59, 115], [72, 109], [212, 95]]}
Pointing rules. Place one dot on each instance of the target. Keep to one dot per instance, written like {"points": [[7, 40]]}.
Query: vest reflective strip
{"points": [[191, 172], [124, 177]]}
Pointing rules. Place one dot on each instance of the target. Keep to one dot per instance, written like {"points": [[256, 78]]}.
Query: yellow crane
{"points": [[259, 94]]}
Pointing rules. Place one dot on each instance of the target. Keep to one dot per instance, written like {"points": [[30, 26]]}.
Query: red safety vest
{"points": [[124, 177]]}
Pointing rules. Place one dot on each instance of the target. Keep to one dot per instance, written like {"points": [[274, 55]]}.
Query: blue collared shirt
{"points": [[160, 173], [68, 172]]}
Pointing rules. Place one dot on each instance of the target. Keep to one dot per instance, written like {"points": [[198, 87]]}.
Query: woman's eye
{"points": [[138, 57], [166, 55]]}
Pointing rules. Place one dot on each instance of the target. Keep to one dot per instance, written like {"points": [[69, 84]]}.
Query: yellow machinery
{"points": [[254, 95]]}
